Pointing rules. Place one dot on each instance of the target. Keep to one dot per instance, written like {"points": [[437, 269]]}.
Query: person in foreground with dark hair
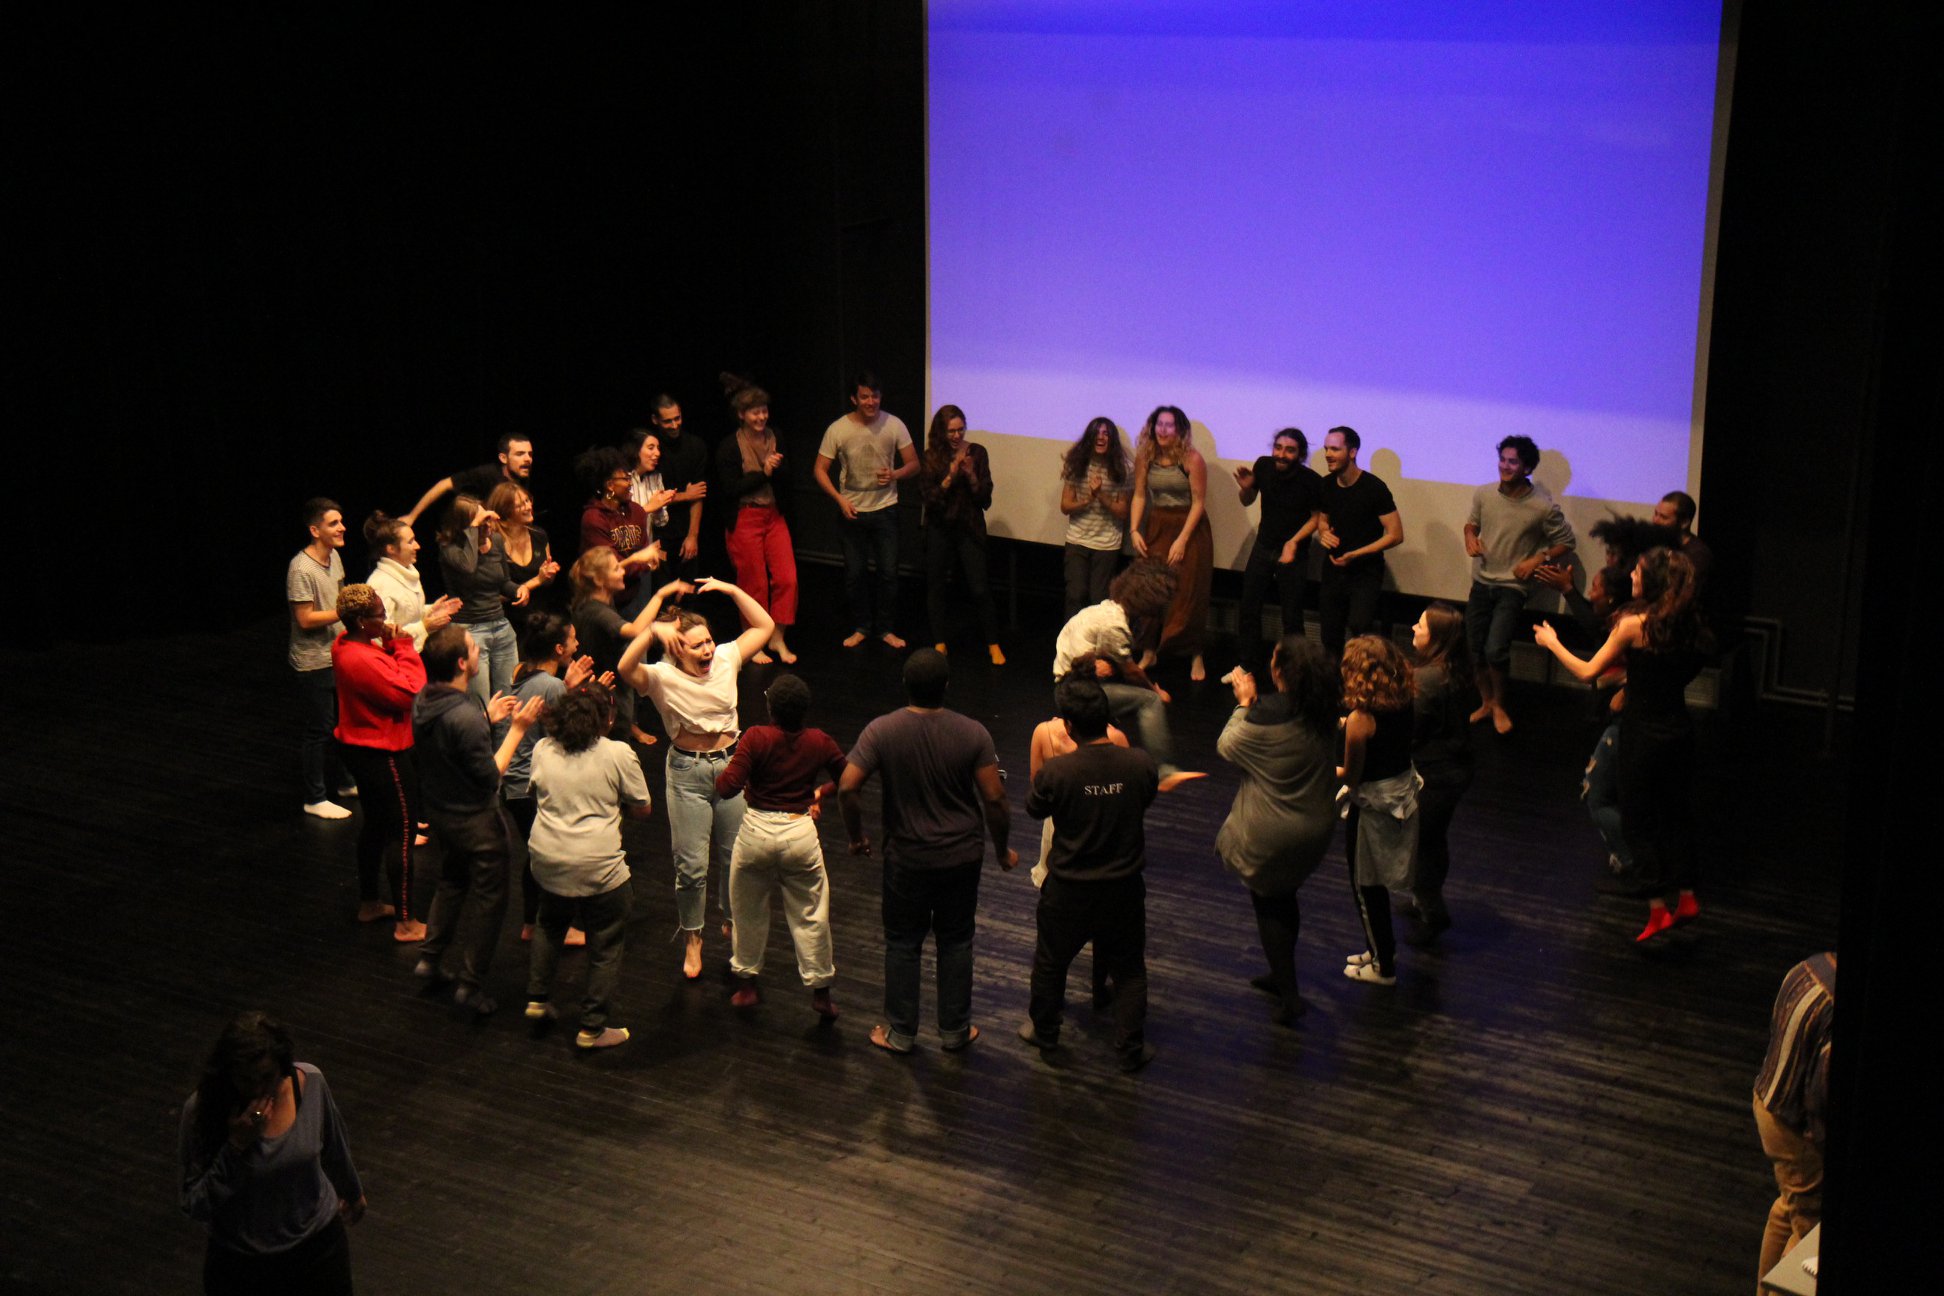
{"points": [[1514, 529], [1664, 643], [550, 667], [266, 1166], [941, 789], [311, 584], [1278, 829], [515, 464], [1442, 755], [459, 776], [582, 784], [1106, 630], [777, 769], [1097, 797]]}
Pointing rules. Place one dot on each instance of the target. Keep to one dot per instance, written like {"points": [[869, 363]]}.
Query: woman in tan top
{"points": [[1170, 520]]}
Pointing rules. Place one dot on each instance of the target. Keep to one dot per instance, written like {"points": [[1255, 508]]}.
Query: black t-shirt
{"points": [[598, 626], [684, 461], [1288, 499], [1098, 797], [480, 482], [1354, 511]]}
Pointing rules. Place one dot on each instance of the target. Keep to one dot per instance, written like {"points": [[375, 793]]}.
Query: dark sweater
{"points": [[455, 751], [1098, 797], [780, 769], [478, 580]]}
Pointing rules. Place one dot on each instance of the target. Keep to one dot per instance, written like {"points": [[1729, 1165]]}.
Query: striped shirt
{"points": [[1793, 1083]]}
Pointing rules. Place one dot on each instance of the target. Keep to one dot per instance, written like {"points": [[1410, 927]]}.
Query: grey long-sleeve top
{"points": [[1279, 827]]}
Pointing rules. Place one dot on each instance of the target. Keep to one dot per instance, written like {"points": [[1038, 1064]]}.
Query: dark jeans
{"points": [[1346, 602], [1437, 803], [945, 903], [523, 811], [1491, 619], [947, 550], [871, 535], [1600, 789], [1088, 574], [1373, 904], [1113, 915], [388, 789], [1278, 919], [323, 772], [1262, 569], [320, 1265], [1656, 769], [604, 918], [473, 861]]}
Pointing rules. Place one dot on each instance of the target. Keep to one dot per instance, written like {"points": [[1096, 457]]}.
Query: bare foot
{"points": [[855, 638], [998, 657], [1484, 709], [643, 737], [1197, 669], [526, 933], [941, 650], [761, 658], [782, 651], [408, 933], [575, 936], [891, 640], [373, 910], [1179, 777], [1147, 661], [881, 1036], [1501, 721], [692, 956]]}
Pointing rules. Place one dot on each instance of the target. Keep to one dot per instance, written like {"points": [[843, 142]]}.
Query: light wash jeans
{"points": [[701, 827], [499, 656], [778, 849]]}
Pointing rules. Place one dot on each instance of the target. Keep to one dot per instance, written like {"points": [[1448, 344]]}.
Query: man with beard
{"points": [[1290, 514]]}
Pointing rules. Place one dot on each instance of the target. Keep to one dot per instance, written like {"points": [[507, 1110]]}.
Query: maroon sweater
{"points": [[780, 769]]}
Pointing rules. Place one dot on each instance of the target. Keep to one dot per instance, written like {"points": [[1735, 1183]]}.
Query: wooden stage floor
{"points": [[1534, 1108]]}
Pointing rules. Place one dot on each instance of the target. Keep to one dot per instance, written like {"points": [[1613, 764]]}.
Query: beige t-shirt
{"points": [[857, 451]]}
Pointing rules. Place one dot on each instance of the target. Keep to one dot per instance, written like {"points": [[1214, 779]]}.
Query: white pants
{"points": [[774, 849]]}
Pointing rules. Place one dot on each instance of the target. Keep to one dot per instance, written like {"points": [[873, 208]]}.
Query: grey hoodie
{"points": [[454, 747]]}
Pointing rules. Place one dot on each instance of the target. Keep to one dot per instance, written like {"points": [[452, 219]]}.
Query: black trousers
{"points": [[388, 793], [1656, 777], [1373, 904], [1278, 920], [1346, 603], [320, 1265], [1437, 803], [1261, 572], [1113, 915], [523, 811], [474, 859], [947, 551]]}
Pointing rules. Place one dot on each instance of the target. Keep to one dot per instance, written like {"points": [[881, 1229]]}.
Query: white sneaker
{"points": [[327, 810]]}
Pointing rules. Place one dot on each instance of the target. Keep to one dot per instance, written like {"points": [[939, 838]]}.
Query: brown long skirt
{"points": [[1187, 619]]}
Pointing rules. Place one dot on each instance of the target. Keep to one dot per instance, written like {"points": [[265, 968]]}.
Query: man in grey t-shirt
{"points": [[1515, 527], [874, 452], [311, 584]]}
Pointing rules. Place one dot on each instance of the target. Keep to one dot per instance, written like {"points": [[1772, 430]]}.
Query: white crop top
{"points": [[706, 705]]}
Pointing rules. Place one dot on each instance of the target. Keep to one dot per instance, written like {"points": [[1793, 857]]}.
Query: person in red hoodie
{"points": [[379, 674]]}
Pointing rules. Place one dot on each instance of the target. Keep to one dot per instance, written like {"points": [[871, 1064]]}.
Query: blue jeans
{"points": [[873, 534], [1600, 789], [1139, 709], [499, 656], [945, 903], [1491, 615], [324, 773], [702, 827]]}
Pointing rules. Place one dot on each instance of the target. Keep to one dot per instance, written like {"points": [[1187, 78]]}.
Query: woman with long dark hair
{"points": [[1664, 642], [1279, 827], [1095, 497], [956, 481], [1170, 520], [266, 1166], [379, 676], [1382, 826], [582, 784], [1441, 753], [750, 468]]}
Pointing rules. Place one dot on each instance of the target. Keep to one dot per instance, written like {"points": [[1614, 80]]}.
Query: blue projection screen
{"points": [[1436, 224]]}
